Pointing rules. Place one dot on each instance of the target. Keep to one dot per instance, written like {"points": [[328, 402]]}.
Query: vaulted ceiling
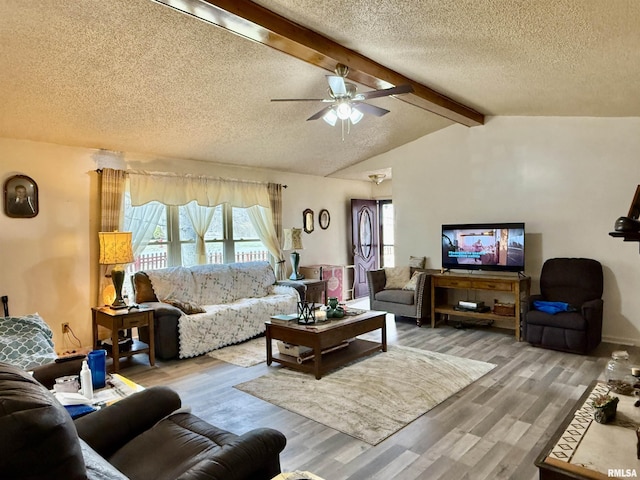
{"points": [[138, 76]]}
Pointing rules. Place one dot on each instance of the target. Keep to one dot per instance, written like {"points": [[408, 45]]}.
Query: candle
{"points": [[321, 315]]}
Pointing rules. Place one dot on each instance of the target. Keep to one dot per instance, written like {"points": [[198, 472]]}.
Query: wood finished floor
{"points": [[493, 429]]}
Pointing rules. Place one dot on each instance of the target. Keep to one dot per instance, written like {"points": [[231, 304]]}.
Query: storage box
{"points": [[506, 309], [339, 284], [293, 350]]}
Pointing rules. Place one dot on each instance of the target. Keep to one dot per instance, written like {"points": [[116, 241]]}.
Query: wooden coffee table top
{"points": [[331, 323], [325, 336]]}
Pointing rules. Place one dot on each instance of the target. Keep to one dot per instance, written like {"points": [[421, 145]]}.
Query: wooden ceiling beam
{"points": [[259, 24]]}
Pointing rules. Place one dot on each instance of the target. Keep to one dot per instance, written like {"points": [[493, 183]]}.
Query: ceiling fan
{"points": [[346, 104]]}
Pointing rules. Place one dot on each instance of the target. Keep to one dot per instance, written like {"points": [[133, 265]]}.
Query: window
{"points": [[229, 238], [386, 234]]}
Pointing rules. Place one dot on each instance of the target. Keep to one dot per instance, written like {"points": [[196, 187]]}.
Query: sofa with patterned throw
{"points": [[205, 307]]}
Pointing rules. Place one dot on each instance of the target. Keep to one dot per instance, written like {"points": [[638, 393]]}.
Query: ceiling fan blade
{"points": [[319, 114], [300, 100], [337, 85], [371, 109], [385, 92]]}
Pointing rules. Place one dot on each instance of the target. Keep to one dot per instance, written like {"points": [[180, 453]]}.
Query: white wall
{"points": [[47, 263], [568, 179]]}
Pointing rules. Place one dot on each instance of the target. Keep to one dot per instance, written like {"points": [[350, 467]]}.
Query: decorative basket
{"points": [[506, 309]]}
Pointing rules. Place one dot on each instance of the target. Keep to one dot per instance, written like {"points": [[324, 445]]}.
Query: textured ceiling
{"points": [[136, 76]]}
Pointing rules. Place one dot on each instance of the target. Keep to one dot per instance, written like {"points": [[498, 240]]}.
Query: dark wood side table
{"points": [[316, 289], [124, 319]]}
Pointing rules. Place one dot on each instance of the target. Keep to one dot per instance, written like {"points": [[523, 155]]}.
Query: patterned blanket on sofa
{"points": [[237, 298]]}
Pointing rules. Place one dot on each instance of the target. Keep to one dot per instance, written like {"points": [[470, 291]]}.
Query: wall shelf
{"points": [[627, 236]]}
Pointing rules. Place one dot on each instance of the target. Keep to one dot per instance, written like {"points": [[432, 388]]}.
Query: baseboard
{"points": [[622, 341]]}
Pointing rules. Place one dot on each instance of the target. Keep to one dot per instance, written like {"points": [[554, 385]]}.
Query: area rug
{"points": [[245, 354], [375, 397]]}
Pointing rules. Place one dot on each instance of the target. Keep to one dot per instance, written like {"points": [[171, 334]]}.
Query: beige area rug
{"points": [[375, 397], [245, 354]]}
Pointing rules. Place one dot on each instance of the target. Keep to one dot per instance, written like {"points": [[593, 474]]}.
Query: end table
{"points": [[124, 319], [316, 289]]}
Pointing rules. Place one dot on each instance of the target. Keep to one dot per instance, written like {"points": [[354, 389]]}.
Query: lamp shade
{"points": [[115, 248], [292, 239]]}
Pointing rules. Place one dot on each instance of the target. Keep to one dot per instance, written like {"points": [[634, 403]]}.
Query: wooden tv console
{"points": [[518, 286]]}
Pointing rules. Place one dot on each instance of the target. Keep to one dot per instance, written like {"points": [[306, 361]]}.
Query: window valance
{"points": [[176, 189]]}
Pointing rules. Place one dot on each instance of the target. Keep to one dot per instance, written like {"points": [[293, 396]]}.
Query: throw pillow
{"points": [[417, 262], [396, 277], [413, 283], [187, 307]]}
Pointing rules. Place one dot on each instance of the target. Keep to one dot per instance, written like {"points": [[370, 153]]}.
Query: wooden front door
{"points": [[365, 242]]}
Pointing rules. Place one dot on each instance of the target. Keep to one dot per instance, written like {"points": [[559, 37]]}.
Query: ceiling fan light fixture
{"points": [[330, 117], [356, 115], [343, 110]]}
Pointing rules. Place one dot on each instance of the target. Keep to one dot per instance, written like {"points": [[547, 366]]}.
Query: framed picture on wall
{"points": [[324, 218], [307, 220], [20, 197]]}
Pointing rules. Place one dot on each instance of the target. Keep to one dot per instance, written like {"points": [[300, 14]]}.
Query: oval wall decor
{"points": [[324, 219]]}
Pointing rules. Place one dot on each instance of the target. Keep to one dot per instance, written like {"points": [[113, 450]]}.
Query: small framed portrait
{"points": [[324, 218], [20, 197]]}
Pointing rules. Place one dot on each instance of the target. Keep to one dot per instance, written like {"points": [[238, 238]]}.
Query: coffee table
{"points": [[324, 336]]}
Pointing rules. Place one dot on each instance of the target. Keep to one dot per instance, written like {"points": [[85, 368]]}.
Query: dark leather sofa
{"points": [[137, 438], [578, 282]]}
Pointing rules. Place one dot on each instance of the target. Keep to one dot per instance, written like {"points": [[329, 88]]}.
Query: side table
{"points": [[124, 319], [316, 289]]}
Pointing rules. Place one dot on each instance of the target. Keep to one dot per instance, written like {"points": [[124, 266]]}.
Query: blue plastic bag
{"points": [[552, 307]]}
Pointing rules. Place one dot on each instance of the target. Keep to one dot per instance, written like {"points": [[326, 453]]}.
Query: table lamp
{"points": [[293, 241], [115, 249]]}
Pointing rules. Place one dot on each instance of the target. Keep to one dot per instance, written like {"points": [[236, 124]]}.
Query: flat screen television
{"points": [[483, 246]]}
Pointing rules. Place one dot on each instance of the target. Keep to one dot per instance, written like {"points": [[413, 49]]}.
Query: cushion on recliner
{"points": [[571, 280], [38, 439], [567, 320], [183, 442], [405, 297], [174, 448]]}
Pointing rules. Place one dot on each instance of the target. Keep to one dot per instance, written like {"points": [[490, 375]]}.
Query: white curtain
{"points": [[142, 224], [175, 189], [200, 218], [263, 224]]}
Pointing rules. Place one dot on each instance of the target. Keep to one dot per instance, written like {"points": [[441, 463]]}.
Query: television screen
{"points": [[483, 246]]}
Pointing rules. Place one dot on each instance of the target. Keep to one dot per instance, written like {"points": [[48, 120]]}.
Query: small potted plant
{"points": [[605, 408]]}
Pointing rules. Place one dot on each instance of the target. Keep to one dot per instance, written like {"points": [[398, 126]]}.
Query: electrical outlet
{"points": [[65, 327]]}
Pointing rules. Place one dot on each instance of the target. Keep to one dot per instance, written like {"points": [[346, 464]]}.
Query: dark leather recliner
{"points": [[578, 282], [139, 437]]}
